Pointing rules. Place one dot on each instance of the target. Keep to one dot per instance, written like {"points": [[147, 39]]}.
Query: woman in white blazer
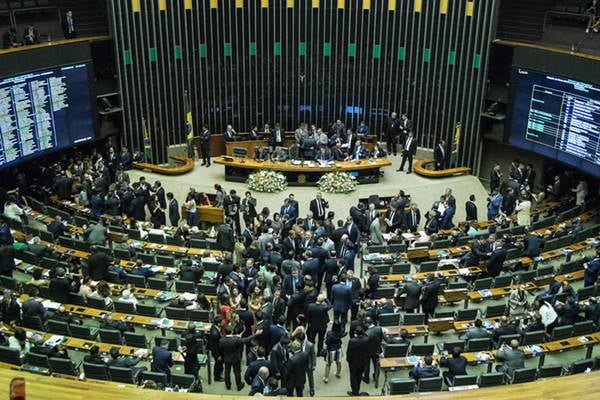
{"points": [[523, 211]]}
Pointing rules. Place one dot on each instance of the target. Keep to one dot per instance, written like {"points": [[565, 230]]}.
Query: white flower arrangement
{"points": [[337, 182], [267, 181]]}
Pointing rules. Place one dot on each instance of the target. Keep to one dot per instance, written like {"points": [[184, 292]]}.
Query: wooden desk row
{"points": [[85, 345], [420, 168], [473, 357], [579, 386], [183, 166]]}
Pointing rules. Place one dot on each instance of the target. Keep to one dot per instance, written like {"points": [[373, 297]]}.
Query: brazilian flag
{"points": [[147, 143], [189, 125]]}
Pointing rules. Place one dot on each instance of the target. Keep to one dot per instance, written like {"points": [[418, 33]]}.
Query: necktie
{"points": [[294, 281], [408, 143], [343, 250], [319, 208], [414, 218], [392, 217], [350, 228]]}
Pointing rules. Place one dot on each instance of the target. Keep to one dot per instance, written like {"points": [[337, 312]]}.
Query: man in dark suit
{"points": [[357, 355], [30, 35], [495, 176], [347, 251], [406, 127], [430, 295], [393, 219], [279, 358], [496, 261], [323, 154], [392, 130], [60, 286], [457, 366], [412, 289], [204, 138], [318, 205], [231, 204], [341, 298], [295, 370], [317, 317], [288, 209], [359, 152], [471, 208], [513, 358], [57, 227], [409, 151], [424, 369], [174, 215], [358, 219], [479, 251], [412, 218], [505, 328], [162, 359], [259, 382], [68, 26], [255, 366], [439, 155], [532, 244], [375, 335], [98, 264], [277, 136], [231, 346]]}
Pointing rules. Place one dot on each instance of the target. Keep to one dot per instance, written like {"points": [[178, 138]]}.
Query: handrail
{"points": [[420, 168], [187, 166]]}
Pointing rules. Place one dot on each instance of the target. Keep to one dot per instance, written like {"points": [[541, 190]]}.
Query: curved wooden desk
{"points": [[238, 169], [186, 165], [420, 168], [580, 386]]}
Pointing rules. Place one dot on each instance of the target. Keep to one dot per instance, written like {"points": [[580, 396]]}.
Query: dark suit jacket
{"points": [[409, 222], [456, 366], [471, 210], [317, 316], [295, 370], [430, 295], [315, 209], [357, 352], [162, 360], [231, 347], [253, 367], [278, 359], [341, 297], [174, 215], [375, 335], [412, 149], [494, 264], [413, 293], [257, 385], [439, 156], [60, 288]]}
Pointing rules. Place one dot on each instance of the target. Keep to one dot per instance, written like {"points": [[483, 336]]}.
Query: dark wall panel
{"points": [[259, 61]]}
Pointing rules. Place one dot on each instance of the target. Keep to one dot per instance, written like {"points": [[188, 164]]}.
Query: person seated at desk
{"points": [[338, 153], [425, 369], [476, 332], [31, 35], [513, 358], [457, 366], [362, 130], [359, 152], [337, 137], [308, 145], [324, 154], [350, 141], [253, 134], [9, 39], [230, 134], [378, 152]]}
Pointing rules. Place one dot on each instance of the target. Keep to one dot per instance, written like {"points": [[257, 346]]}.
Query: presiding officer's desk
{"points": [[238, 169]]}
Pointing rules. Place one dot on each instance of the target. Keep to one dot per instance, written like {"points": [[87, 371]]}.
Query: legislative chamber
{"points": [[205, 199]]}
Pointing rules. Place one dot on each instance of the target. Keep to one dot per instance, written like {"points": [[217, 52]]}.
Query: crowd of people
{"points": [[288, 291]]}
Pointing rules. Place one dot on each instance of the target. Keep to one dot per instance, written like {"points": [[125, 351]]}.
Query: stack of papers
{"points": [[485, 293], [165, 296], [164, 323], [54, 340], [50, 305]]}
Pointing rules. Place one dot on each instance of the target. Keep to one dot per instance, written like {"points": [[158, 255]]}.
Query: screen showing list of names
{"points": [[44, 111], [566, 120]]}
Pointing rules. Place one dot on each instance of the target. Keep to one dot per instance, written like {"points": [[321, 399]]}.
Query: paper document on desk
{"points": [[50, 305], [54, 340], [170, 270], [210, 260], [464, 271], [188, 296]]}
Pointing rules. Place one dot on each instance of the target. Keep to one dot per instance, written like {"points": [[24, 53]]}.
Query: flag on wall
{"points": [[455, 144], [147, 142], [189, 124]]}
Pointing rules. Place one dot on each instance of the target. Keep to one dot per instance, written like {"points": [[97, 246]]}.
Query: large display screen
{"points": [[557, 117], [44, 111]]}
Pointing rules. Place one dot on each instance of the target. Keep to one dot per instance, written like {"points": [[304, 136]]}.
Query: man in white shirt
{"points": [[12, 210]]}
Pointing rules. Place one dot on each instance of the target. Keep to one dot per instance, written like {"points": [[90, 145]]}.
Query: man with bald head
{"points": [[259, 383], [317, 316], [513, 358]]}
